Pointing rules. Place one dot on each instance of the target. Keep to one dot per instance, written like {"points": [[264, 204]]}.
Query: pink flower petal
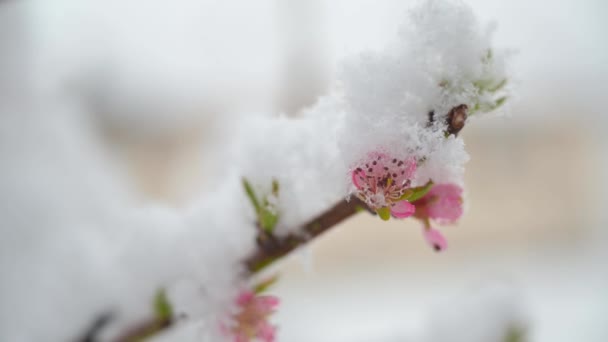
{"points": [[265, 305], [378, 165], [375, 164], [245, 297], [435, 239], [410, 169], [240, 338], [266, 332], [358, 178], [382, 179], [442, 203], [269, 302], [403, 209], [251, 320]]}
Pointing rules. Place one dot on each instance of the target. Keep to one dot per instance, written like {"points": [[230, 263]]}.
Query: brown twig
{"points": [[96, 326], [272, 248], [143, 330]]}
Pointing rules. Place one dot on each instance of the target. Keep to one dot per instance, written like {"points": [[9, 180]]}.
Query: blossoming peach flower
{"points": [[382, 181], [443, 203], [251, 321]]}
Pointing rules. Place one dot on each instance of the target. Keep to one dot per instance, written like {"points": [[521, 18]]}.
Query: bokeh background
{"points": [[530, 251]]}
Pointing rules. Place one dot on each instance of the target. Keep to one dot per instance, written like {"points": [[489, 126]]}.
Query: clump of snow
{"points": [[74, 241], [381, 101], [301, 154], [455, 52], [397, 99]]}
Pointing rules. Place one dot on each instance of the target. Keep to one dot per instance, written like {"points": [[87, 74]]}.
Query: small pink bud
{"points": [[435, 239], [442, 203], [403, 209]]}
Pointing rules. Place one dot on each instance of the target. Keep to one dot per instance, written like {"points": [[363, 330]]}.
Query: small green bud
{"points": [[162, 307], [265, 284], [419, 192], [384, 213]]}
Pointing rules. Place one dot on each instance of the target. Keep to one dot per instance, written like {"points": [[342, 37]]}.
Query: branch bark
{"points": [[145, 329]]}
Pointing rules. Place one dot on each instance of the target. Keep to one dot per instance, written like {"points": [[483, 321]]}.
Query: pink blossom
{"points": [[381, 182], [442, 203], [403, 209], [252, 319], [434, 238]]}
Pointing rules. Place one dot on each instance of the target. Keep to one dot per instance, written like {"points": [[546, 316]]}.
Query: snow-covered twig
{"points": [[270, 249]]}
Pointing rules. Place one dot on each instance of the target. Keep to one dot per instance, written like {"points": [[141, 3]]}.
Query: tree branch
{"points": [[145, 329], [272, 248]]}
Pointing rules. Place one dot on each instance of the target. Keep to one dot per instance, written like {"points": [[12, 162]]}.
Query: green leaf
{"points": [[419, 192], [489, 85], [275, 187], [260, 265], [268, 220], [515, 334], [315, 226], [251, 195], [488, 57], [384, 213], [483, 85], [162, 307], [265, 284], [359, 209], [500, 102], [407, 194], [266, 211], [497, 87], [474, 109]]}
